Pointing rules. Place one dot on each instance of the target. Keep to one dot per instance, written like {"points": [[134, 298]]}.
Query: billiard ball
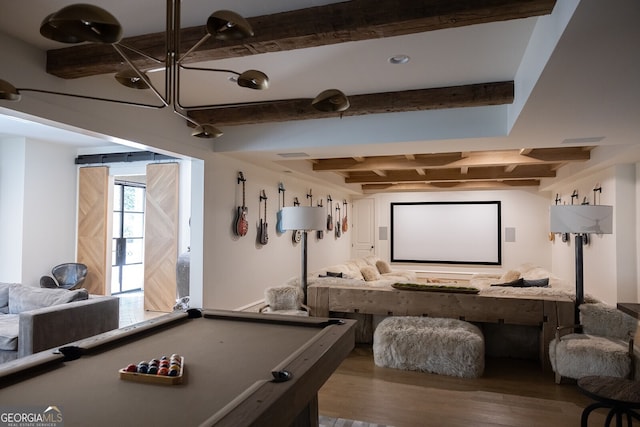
{"points": [[173, 372], [131, 368], [163, 371], [143, 369], [153, 370]]}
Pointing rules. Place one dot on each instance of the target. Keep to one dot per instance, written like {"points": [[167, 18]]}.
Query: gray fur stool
{"points": [[440, 346]]}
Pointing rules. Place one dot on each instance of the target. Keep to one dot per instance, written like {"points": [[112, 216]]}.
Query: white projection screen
{"points": [[446, 232]]}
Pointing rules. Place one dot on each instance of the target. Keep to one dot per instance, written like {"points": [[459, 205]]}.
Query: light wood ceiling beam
{"points": [[513, 157], [560, 154], [505, 158], [386, 162], [304, 28], [474, 95], [448, 186], [473, 174]]}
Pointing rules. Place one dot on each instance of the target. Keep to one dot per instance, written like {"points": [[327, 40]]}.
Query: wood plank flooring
{"points": [[511, 393]]}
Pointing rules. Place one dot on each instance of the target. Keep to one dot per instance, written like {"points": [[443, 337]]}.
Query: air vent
{"points": [[587, 140]]}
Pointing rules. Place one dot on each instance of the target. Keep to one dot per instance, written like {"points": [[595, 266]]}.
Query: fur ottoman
{"points": [[440, 346]]}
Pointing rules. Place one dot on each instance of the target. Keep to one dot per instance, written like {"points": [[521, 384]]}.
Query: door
{"points": [[93, 237], [161, 237], [127, 247], [363, 224]]}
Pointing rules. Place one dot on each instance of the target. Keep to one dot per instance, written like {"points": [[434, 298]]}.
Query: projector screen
{"points": [[446, 232]]}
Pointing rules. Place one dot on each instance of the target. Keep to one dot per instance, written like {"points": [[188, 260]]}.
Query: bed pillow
{"points": [[383, 266], [537, 283], [334, 274], [370, 273]]}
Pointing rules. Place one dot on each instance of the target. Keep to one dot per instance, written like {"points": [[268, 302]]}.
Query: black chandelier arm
{"points": [[193, 48], [165, 100], [141, 53], [242, 104], [94, 98], [217, 70]]}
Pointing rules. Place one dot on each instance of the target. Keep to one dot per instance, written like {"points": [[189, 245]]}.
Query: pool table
{"points": [[240, 369]]}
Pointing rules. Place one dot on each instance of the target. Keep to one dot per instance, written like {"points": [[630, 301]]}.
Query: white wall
{"points": [[610, 266], [524, 210], [37, 209], [237, 269], [12, 171]]}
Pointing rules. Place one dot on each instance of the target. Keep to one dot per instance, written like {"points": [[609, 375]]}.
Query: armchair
{"points": [[605, 347]]}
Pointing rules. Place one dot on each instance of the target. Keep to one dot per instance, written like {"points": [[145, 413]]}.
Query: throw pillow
{"points": [[383, 266], [370, 273], [4, 294], [25, 298], [510, 276], [518, 283], [538, 283]]}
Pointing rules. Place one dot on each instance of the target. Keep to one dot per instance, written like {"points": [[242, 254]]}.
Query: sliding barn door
{"points": [[161, 237], [93, 221]]}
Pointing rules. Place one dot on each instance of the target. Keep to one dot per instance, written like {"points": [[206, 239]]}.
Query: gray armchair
{"points": [[605, 347]]}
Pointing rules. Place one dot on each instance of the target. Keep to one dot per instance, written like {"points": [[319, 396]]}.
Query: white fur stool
{"points": [[440, 346], [284, 300]]}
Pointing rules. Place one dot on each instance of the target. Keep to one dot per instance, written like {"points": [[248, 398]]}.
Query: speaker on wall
{"points": [[382, 233]]}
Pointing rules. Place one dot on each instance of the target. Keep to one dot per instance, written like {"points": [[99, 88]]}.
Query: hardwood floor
{"points": [[510, 393]]}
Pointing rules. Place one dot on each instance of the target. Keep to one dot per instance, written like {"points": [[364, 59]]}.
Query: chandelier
{"points": [[78, 23]]}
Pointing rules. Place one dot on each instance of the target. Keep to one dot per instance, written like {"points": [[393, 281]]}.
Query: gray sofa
{"points": [[36, 319]]}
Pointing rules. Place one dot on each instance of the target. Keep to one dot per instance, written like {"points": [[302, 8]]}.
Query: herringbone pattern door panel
{"points": [[161, 237], [93, 201]]}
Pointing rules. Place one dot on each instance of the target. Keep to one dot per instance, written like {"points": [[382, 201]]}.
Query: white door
{"points": [[363, 225]]}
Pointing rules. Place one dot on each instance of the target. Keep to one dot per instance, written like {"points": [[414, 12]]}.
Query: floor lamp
{"points": [[581, 220], [305, 219]]}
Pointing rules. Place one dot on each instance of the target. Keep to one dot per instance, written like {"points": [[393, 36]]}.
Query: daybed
{"points": [[35, 319], [534, 311], [370, 271]]}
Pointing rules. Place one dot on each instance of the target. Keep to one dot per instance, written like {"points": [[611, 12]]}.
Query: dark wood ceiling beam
{"points": [[474, 95], [304, 28]]}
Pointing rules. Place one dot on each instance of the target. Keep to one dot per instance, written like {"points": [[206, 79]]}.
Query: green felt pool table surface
{"points": [[229, 360]]}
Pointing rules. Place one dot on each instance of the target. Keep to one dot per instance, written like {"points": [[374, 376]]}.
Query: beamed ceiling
{"points": [[350, 21], [453, 171]]}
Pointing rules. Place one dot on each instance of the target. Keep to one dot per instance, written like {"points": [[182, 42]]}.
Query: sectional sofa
{"points": [[36, 319]]}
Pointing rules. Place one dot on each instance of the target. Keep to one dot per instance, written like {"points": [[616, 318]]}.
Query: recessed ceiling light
{"points": [[399, 59]]}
